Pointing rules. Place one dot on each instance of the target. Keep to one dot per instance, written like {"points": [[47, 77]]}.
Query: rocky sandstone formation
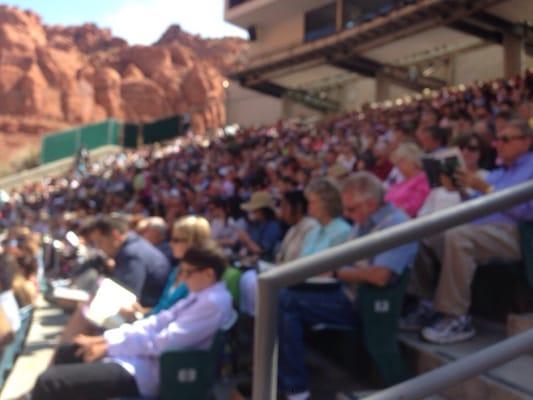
{"points": [[57, 77]]}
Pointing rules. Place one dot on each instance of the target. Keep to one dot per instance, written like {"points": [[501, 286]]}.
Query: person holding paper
{"points": [[363, 202], [443, 311], [138, 265], [124, 362]]}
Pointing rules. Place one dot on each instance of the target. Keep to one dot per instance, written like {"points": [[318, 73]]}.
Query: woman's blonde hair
{"points": [[196, 230]]}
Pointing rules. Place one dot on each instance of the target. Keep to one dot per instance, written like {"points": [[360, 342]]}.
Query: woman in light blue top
{"points": [[324, 205]]}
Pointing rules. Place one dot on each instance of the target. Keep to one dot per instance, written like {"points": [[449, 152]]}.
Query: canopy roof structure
{"points": [[403, 45]]}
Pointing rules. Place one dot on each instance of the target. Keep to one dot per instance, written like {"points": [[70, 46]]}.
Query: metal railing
{"points": [[52, 169], [270, 282], [440, 379]]}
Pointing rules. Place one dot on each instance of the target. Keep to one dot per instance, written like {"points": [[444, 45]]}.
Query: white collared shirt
{"points": [[190, 324]]}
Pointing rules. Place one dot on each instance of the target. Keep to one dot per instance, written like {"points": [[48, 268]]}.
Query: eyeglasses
{"points": [[506, 138], [354, 206], [178, 240]]}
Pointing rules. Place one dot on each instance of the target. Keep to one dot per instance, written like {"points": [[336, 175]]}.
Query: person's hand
{"points": [[91, 348], [84, 340], [447, 183], [242, 235], [93, 352], [110, 264], [128, 313], [471, 180]]}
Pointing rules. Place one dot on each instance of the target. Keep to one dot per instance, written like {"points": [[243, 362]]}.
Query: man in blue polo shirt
{"points": [[362, 198], [138, 265]]}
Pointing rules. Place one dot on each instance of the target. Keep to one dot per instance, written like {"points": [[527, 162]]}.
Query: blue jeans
{"points": [[305, 307]]}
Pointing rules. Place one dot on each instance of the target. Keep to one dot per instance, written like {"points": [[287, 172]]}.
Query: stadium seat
{"points": [[517, 277], [526, 238], [379, 311], [191, 374], [231, 277], [13, 349]]}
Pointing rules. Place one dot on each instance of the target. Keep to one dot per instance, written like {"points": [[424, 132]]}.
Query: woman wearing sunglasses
{"points": [[187, 232]]}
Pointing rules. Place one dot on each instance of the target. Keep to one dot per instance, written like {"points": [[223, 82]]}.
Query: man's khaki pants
{"points": [[460, 251]]}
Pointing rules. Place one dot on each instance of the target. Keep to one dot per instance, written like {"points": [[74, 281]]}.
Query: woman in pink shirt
{"points": [[411, 193]]}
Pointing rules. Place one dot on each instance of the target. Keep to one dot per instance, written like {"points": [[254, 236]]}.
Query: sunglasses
{"points": [[506, 138], [178, 240]]}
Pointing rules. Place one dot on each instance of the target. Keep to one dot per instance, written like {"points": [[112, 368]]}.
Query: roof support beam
{"points": [[475, 30], [492, 28], [400, 75], [304, 97]]}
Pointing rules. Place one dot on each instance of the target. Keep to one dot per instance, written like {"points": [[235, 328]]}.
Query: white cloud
{"points": [[144, 21]]}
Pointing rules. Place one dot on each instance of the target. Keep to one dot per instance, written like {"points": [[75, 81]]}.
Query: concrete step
{"points": [[510, 381], [47, 325]]}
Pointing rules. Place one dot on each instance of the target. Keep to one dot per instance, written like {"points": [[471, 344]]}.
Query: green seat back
{"points": [[526, 239], [232, 277], [380, 311], [190, 374]]}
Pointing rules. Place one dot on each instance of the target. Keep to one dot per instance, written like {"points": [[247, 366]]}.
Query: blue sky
{"points": [[137, 21]]}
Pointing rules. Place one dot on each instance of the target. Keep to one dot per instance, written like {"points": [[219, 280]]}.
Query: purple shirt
{"points": [[505, 177]]}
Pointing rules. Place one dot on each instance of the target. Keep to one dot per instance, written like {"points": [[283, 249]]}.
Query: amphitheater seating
{"points": [[380, 310], [13, 349]]}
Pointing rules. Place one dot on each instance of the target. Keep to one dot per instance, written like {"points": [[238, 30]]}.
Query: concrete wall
{"points": [[292, 109], [287, 32], [482, 64], [397, 91], [529, 62], [248, 107], [358, 92]]}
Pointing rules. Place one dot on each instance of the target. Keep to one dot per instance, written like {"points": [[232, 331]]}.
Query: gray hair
{"points": [[408, 151], [328, 193], [522, 126], [366, 184], [156, 223]]}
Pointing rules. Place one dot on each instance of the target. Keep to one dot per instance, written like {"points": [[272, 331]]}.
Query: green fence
{"points": [[161, 130], [131, 135], [66, 144]]}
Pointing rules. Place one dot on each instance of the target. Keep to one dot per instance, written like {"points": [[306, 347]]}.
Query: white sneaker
{"points": [[449, 330]]}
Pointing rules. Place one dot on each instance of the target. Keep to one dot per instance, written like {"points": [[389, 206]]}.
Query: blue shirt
{"points": [[323, 237], [142, 268], [505, 177], [266, 235], [171, 294], [398, 258]]}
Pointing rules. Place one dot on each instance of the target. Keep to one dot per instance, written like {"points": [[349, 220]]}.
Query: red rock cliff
{"points": [[52, 77]]}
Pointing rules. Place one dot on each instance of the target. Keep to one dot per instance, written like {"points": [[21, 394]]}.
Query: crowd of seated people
{"points": [[286, 191]]}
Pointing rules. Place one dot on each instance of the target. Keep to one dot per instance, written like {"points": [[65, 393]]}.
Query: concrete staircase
{"points": [[511, 381]]}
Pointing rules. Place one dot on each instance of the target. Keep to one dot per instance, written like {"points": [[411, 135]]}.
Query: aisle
{"points": [[47, 325]]}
